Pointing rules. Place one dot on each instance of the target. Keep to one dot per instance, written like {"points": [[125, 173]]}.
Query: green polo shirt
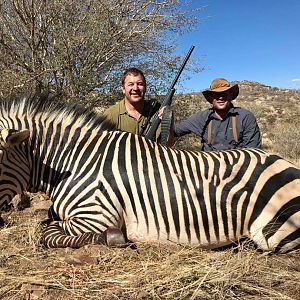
{"points": [[118, 115]]}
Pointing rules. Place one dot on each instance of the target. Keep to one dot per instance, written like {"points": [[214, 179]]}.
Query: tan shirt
{"points": [[118, 115]]}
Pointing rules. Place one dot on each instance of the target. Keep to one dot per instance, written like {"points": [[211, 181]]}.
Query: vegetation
{"points": [[80, 48], [28, 271]]}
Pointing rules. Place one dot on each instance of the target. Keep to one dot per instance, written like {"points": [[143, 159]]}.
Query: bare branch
{"points": [[80, 47]]}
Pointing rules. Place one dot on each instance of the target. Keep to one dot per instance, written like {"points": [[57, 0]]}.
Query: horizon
{"points": [[182, 92]]}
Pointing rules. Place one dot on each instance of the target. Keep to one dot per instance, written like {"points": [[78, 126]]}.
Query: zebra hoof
{"points": [[114, 237]]}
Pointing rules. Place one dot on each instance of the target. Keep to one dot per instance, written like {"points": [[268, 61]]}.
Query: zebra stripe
{"points": [[100, 179]]}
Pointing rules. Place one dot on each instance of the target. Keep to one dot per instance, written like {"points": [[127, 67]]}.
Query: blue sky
{"points": [[257, 40]]}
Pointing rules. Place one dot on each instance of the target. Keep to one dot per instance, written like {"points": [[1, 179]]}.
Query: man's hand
{"points": [[161, 112]]}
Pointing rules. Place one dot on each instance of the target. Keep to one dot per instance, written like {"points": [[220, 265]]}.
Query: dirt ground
{"points": [[29, 271]]}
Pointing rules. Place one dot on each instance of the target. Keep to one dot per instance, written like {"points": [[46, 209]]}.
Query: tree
{"points": [[80, 48]]}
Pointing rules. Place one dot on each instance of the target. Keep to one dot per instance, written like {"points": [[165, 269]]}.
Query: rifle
{"points": [[168, 99]]}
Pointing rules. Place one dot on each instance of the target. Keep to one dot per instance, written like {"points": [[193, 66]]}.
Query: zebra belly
{"points": [[138, 231], [135, 234]]}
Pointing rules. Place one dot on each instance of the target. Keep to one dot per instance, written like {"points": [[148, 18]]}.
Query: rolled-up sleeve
{"points": [[193, 124]]}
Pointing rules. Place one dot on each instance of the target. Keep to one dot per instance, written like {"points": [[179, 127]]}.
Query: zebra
{"points": [[110, 187]]}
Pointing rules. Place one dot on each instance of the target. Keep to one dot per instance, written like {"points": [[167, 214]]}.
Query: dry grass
{"points": [[286, 137], [28, 271]]}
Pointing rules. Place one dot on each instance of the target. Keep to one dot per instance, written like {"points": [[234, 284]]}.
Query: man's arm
{"points": [[251, 132], [193, 124]]}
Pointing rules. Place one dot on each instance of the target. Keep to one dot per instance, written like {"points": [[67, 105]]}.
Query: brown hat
{"points": [[220, 85]]}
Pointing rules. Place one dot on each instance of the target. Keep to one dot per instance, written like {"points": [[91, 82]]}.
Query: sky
{"points": [[257, 40]]}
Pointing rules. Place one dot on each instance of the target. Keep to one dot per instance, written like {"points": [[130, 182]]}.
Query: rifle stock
{"points": [[151, 134]]}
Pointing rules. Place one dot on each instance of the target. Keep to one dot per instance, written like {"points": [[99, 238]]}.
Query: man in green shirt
{"points": [[132, 113]]}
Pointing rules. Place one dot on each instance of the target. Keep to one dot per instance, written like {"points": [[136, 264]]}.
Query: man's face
{"points": [[222, 100], [134, 88]]}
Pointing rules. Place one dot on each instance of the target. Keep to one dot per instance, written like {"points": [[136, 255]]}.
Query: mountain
{"points": [[250, 93]]}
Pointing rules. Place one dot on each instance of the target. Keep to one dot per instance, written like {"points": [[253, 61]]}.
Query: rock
{"points": [[43, 205], [32, 291], [142, 295], [81, 260]]}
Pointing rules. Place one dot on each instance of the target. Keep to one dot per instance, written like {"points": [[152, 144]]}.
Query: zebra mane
{"points": [[48, 105]]}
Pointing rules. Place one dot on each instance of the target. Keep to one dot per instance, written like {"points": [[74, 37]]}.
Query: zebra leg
{"points": [[55, 237]]}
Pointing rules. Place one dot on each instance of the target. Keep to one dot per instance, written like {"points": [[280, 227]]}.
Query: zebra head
{"points": [[14, 167]]}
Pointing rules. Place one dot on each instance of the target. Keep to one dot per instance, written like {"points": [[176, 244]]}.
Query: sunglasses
{"points": [[224, 94]]}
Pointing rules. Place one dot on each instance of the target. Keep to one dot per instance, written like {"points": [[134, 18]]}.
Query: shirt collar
{"points": [[231, 111], [146, 109], [122, 110]]}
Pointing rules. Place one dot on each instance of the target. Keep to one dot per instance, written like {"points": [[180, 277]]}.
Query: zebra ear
{"points": [[10, 137]]}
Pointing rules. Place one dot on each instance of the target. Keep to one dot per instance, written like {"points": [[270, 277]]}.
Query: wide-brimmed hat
{"points": [[220, 85]]}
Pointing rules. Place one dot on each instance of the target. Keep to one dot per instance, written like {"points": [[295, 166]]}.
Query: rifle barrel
{"points": [[182, 67], [168, 99]]}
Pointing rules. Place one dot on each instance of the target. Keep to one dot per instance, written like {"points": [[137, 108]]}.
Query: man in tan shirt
{"points": [[133, 112]]}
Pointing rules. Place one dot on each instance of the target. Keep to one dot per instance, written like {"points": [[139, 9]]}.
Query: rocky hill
{"points": [[251, 93], [277, 111]]}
